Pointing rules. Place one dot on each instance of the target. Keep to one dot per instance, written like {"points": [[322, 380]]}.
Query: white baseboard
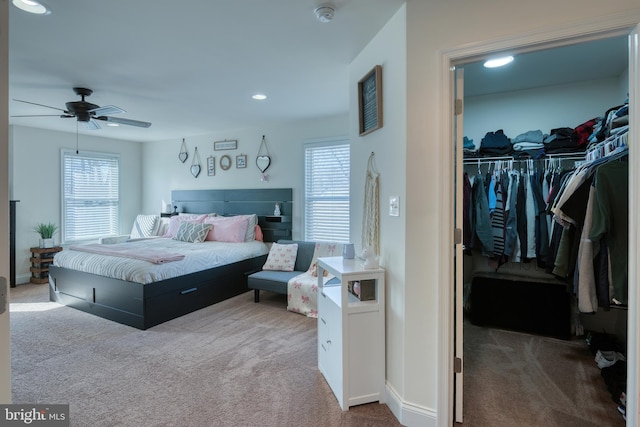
{"points": [[409, 414], [22, 279]]}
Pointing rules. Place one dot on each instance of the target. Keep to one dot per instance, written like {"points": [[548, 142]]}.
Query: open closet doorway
{"points": [[522, 335]]}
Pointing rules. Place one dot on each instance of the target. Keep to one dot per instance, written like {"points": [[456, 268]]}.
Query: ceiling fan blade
{"points": [[42, 115], [41, 105], [122, 121], [91, 125], [107, 110]]}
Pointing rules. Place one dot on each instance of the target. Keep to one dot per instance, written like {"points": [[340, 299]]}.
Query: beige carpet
{"points": [[236, 363], [517, 379]]}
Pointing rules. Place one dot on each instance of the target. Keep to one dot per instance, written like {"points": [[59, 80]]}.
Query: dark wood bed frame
{"points": [[145, 305]]}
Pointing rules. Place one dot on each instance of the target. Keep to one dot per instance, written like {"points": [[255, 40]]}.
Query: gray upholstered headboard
{"points": [[260, 201]]}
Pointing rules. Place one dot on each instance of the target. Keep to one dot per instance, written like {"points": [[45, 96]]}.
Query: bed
{"points": [[110, 287]]}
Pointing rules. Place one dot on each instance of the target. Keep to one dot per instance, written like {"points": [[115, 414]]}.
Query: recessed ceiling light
{"points": [[498, 62], [32, 6], [113, 124], [259, 96]]}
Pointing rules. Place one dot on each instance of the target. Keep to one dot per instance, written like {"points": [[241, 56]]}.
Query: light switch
{"points": [[394, 205]]}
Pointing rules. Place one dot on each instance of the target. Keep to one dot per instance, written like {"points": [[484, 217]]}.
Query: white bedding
{"points": [[198, 257]]}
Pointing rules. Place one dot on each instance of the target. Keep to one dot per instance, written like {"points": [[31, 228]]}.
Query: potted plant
{"points": [[46, 230]]}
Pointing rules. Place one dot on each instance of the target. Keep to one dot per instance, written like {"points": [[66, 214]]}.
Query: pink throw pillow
{"points": [[258, 233], [282, 257], [227, 229]]}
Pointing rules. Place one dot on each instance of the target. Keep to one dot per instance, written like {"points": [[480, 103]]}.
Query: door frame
{"points": [[603, 27]]}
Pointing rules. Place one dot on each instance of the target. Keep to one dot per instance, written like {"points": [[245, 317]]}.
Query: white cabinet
{"points": [[351, 333]]}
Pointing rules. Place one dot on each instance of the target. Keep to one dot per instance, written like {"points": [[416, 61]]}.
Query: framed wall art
{"points": [[370, 101], [241, 161], [225, 162], [211, 166], [227, 144]]}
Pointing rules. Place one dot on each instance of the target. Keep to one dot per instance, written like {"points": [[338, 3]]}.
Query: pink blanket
{"points": [[155, 256]]}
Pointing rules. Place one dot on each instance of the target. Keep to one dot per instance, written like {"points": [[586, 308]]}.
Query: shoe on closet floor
{"points": [[623, 412], [602, 341], [606, 358]]}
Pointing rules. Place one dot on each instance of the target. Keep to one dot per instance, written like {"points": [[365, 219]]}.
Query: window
{"points": [[326, 171], [90, 195]]}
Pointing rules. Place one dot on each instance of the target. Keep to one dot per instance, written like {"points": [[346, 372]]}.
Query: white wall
{"points": [[433, 28], [386, 49], [5, 349], [163, 171], [37, 182], [543, 108]]}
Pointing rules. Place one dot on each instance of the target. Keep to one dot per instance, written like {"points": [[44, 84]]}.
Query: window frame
{"points": [[321, 143], [114, 228]]}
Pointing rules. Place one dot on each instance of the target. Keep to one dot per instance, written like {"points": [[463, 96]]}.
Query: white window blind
{"points": [[327, 171], [90, 195]]}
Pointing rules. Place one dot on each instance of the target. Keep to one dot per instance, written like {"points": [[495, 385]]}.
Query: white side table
{"points": [[351, 333]]}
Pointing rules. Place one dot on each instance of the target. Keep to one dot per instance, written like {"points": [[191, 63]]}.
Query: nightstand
{"points": [[40, 259]]}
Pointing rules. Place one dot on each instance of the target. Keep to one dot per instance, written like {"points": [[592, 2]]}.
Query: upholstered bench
{"points": [[276, 281]]}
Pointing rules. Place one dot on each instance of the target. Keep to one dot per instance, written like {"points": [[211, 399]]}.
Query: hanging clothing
{"points": [[611, 221], [511, 231], [497, 222], [531, 218], [521, 210], [541, 232], [466, 212], [481, 220], [586, 280]]}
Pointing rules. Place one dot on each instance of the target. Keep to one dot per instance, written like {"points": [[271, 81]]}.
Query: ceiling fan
{"points": [[88, 113]]}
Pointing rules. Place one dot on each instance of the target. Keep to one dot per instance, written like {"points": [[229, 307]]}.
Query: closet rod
{"points": [[481, 160], [559, 156], [567, 156]]}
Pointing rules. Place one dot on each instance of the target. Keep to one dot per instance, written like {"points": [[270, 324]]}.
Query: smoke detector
{"points": [[325, 13]]}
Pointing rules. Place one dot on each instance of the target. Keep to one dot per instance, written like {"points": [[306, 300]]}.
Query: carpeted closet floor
{"points": [[517, 379]]}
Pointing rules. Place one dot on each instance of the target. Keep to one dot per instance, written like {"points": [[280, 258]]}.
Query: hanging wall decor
{"points": [[241, 161], [195, 164], [227, 144], [184, 155], [370, 101], [225, 162], [211, 166], [263, 160], [371, 213]]}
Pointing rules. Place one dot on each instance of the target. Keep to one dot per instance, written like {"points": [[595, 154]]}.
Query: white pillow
{"points": [[144, 226], [251, 227], [163, 224], [281, 257]]}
